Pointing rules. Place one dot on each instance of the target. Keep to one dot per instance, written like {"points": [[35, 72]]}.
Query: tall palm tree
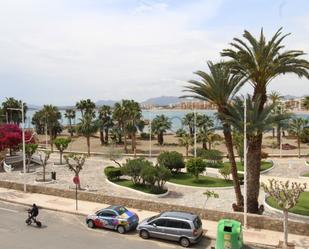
{"points": [[305, 103], [51, 116], [186, 141], [218, 87], [296, 127], [134, 122], [106, 122], [70, 114], [188, 120], [86, 106], [259, 61], [87, 127], [160, 124]]}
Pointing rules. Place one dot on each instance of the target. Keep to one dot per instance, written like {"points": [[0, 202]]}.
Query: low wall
{"points": [[254, 221]]}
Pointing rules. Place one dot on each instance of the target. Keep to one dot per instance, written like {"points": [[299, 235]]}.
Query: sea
{"points": [[175, 116]]}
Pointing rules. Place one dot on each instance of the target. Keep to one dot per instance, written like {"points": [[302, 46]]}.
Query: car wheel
{"points": [[184, 242], [144, 234], [90, 224], [121, 229]]}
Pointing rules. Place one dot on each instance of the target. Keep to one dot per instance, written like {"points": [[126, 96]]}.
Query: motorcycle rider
{"points": [[34, 212]]}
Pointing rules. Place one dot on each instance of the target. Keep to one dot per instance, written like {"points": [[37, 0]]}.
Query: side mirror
{"points": [[154, 225]]}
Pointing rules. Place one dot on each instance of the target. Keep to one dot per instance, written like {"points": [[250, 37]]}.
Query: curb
{"points": [[46, 208], [264, 171], [137, 191], [187, 186], [292, 216]]}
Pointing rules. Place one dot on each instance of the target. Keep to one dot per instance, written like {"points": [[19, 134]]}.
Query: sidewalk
{"points": [[251, 236]]}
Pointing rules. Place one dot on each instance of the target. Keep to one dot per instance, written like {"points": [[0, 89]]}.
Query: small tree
{"points": [[114, 154], [62, 144], [186, 141], [75, 163], [209, 194], [30, 149], [44, 156], [133, 168], [225, 171], [196, 166], [172, 160], [286, 195]]}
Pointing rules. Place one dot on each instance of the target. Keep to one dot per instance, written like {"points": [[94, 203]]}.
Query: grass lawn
{"points": [[204, 181], [302, 206], [264, 165], [306, 175], [143, 188]]}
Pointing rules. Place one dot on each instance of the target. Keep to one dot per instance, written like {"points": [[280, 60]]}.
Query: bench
{"points": [[8, 168]]}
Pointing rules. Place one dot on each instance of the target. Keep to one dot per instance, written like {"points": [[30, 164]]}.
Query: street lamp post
{"points": [[245, 163], [280, 131], [150, 131], [23, 141], [194, 132]]}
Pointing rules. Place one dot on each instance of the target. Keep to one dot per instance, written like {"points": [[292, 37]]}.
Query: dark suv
{"points": [[186, 228]]}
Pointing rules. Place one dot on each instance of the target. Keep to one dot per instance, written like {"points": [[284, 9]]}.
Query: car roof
{"points": [[179, 215]]}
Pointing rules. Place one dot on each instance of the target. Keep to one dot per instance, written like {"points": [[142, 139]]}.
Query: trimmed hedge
{"points": [[112, 173]]}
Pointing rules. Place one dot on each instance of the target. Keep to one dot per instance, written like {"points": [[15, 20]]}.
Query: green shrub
{"points": [[304, 137], [180, 132], [213, 156], [112, 173], [155, 177], [196, 166], [172, 160], [146, 136], [264, 155], [133, 168], [225, 171]]}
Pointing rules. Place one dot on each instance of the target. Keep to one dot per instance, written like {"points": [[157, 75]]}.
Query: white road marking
{"points": [[9, 210]]}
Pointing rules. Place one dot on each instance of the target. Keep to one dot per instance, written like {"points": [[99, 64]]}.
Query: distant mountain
{"points": [[286, 97], [163, 100], [34, 107], [105, 102]]}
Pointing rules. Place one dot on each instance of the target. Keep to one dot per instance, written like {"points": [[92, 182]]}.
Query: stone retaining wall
{"points": [[254, 221]]}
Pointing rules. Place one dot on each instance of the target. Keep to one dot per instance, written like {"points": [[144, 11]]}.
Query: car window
{"points": [[120, 210], [153, 217], [159, 222], [197, 223], [108, 214], [185, 225], [174, 223]]}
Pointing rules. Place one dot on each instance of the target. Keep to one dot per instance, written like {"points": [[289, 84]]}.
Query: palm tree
{"points": [[121, 116], [70, 114], [218, 87], [296, 127], [205, 124], [135, 123], [186, 141], [305, 103], [259, 61], [86, 106], [106, 122], [275, 99], [13, 116], [188, 120], [160, 124], [87, 127], [51, 115]]}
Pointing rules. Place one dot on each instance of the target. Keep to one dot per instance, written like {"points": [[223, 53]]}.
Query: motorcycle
{"points": [[30, 219]]}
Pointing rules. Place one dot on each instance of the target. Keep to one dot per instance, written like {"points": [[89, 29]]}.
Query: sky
{"points": [[60, 51]]}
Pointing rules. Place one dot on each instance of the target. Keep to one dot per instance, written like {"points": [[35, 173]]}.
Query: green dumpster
{"points": [[229, 235]]}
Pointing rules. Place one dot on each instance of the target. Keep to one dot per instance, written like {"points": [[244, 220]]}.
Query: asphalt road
{"points": [[66, 231]]}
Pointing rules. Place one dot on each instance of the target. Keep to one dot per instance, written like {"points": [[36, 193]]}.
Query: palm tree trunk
{"points": [[253, 173], [70, 124], [60, 152], [209, 145], [44, 172], [278, 135], [298, 145], [231, 155], [101, 137], [204, 145], [187, 150], [88, 145], [273, 129], [106, 136]]}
